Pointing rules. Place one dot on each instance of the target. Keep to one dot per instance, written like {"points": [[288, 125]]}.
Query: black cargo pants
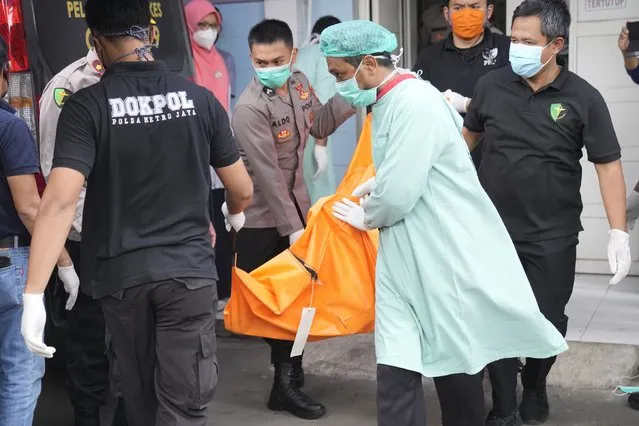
{"points": [[550, 268], [87, 364], [163, 343]]}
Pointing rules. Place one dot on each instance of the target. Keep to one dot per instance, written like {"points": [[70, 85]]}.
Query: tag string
{"points": [[310, 304], [395, 58]]}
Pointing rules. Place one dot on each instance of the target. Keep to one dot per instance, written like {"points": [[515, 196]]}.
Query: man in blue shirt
{"points": [[19, 203]]}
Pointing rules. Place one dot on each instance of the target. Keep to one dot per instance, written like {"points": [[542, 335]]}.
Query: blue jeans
{"points": [[20, 370]]}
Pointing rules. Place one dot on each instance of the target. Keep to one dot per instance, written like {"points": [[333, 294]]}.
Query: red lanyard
{"points": [[391, 84]]}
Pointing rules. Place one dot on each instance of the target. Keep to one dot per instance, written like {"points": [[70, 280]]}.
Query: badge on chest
{"points": [[490, 56], [281, 129], [283, 135], [557, 111]]}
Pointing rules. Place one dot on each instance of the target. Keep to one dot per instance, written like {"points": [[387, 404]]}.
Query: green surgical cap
{"points": [[356, 38]]}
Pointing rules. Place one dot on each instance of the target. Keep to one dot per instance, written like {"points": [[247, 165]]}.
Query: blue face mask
{"points": [[353, 95], [526, 60], [274, 77]]}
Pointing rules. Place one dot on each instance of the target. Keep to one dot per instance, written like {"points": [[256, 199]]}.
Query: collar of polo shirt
{"points": [[557, 83]]}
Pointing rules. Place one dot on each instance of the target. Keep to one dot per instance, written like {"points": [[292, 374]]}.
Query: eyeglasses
{"points": [[207, 26]]}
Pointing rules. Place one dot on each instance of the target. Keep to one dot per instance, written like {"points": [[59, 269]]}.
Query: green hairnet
{"points": [[356, 38]]}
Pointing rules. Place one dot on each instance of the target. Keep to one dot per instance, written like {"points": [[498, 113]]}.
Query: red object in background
{"points": [[41, 183], [12, 30]]}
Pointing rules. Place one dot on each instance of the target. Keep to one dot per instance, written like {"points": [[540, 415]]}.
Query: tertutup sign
{"points": [[596, 5]]}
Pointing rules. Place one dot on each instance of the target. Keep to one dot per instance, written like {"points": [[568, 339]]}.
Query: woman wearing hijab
{"points": [[205, 23]]}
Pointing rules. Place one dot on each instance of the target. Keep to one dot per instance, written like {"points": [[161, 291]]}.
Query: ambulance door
{"points": [[596, 58]]}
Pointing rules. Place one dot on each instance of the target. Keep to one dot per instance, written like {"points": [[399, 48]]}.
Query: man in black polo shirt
{"points": [[143, 138], [536, 117], [454, 64]]}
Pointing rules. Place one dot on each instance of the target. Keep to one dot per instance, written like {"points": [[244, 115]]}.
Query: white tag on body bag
{"points": [[303, 330]]}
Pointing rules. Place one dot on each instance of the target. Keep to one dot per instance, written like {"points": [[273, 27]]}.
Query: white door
{"points": [[595, 57], [400, 17]]}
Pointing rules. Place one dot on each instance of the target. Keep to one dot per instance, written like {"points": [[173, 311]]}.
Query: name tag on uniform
{"points": [[303, 330]]}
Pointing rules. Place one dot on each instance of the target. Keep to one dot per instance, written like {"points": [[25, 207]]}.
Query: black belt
{"points": [[14, 242]]}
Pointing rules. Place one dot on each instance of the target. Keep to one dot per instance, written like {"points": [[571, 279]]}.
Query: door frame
{"points": [[408, 38]]}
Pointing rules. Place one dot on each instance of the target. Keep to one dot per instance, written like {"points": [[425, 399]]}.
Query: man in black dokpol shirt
{"points": [[143, 139]]}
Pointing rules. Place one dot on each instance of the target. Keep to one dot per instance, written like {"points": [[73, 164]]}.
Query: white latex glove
{"points": [[351, 213], [459, 102], [619, 255], [235, 221], [321, 158], [34, 318], [295, 236], [366, 188], [632, 209], [71, 282]]}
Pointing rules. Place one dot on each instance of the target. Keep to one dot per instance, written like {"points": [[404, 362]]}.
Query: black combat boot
{"points": [[512, 419], [298, 372], [534, 407], [286, 396]]}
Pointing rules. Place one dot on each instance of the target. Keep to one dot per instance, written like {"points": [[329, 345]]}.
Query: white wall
{"points": [[238, 18], [510, 9], [289, 11]]}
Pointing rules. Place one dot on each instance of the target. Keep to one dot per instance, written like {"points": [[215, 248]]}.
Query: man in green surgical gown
{"points": [[451, 294]]}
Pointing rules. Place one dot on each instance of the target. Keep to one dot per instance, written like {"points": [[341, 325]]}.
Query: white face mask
{"points": [[205, 38]]}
